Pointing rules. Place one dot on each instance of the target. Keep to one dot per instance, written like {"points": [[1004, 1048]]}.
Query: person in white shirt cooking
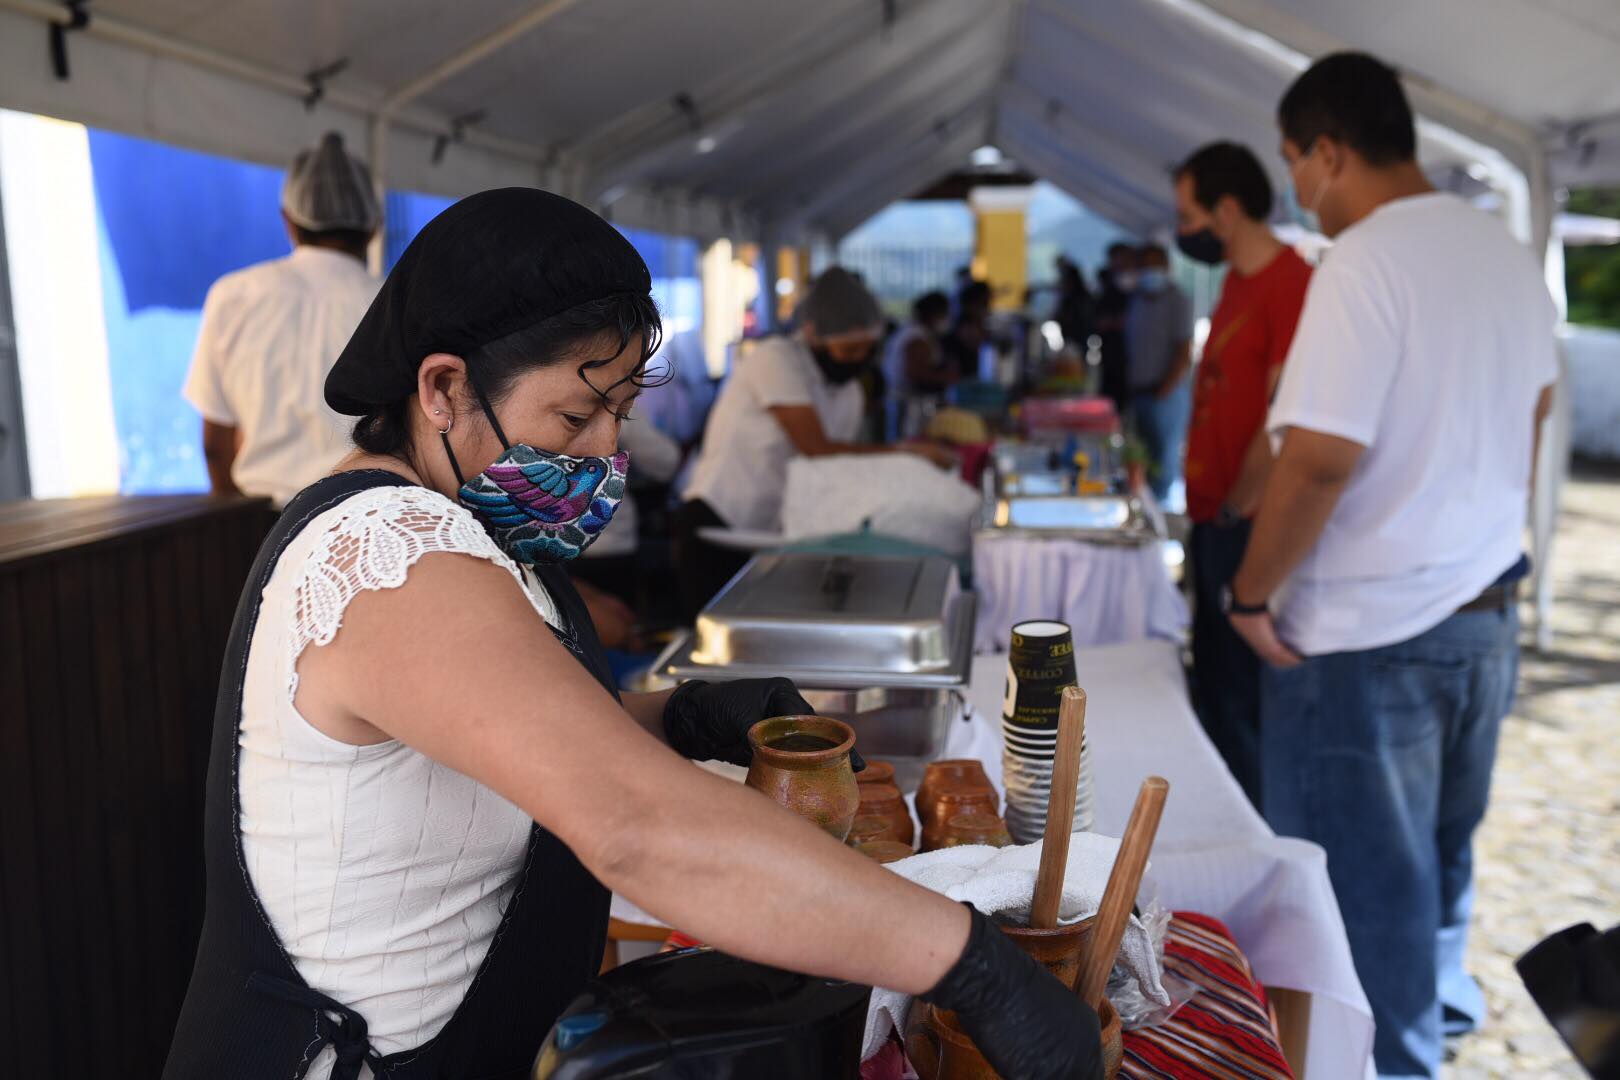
{"points": [[789, 395], [270, 333], [1379, 580]]}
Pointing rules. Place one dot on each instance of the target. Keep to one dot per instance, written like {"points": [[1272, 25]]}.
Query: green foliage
{"points": [[1592, 274]]}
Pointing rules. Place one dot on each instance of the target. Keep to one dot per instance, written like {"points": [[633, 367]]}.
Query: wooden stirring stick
{"points": [[1071, 738], [1120, 895]]}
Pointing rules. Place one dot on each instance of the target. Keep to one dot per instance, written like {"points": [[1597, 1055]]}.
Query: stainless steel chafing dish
{"points": [[881, 642], [1101, 519], [1028, 491]]}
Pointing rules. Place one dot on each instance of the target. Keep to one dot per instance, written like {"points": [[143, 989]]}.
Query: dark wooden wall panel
{"points": [[113, 619], [20, 861]]}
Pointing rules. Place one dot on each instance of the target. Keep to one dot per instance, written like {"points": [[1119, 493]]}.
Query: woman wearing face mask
{"points": [[788, 395], [423, 784]]}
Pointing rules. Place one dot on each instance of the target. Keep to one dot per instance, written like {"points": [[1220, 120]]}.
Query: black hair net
{"points": [[492, 264]]}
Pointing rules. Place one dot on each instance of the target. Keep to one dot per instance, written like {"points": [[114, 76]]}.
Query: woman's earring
{"points": [[448, 424]]}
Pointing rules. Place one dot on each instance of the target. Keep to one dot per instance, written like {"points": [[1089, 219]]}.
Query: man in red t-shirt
{"points": [[1222, 202]]}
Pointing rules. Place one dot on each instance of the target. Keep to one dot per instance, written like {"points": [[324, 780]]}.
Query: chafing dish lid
{"points": [[844, 614]]}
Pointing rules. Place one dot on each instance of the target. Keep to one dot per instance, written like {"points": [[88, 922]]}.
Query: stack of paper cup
{"points": [[1040, 663]]}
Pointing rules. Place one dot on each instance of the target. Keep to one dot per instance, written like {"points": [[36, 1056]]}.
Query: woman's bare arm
{"points": [[456, 664], [647, 710], [803, 426]]}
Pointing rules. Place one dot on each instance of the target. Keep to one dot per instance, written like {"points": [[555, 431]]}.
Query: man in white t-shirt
{"points": [[1379, 581], [270, 333], [788, 395]]}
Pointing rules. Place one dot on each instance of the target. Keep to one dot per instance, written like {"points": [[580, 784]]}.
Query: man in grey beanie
{"points": [[788, 395], [270, 332]]}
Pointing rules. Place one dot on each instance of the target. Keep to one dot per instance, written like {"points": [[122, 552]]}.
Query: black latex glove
{"points": [[705, 721], [1028, 1025]]}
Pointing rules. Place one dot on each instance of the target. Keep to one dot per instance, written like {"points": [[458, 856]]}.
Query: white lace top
{"points": [[383, 872]]}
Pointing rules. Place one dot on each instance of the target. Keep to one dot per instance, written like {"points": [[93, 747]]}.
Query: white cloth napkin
{"points": [[1001, 881], [900, 494]]}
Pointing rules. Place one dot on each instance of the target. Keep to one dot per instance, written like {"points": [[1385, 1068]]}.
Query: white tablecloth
{"points": [[1106, 594], [1214, 853]]}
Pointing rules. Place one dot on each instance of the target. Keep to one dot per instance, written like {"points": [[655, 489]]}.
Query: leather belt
{"points": [[1495, 598]]}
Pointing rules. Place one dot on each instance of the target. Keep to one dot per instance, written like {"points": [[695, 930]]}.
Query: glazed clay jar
{"points": [[802, 762], [885, 851], [883, 800], [974, 828], [952, 801], [868, 828], [947, 773], [876, 772]]}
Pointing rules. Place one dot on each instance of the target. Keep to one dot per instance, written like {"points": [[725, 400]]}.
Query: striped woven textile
{"points": [[1224, 1031]]}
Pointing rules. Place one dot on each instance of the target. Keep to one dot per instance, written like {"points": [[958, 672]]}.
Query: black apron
{"points": [[248, 1015]]}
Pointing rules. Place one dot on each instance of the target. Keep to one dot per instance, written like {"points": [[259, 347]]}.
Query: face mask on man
{"points": [[1202, 246], [836, 371], [1152, 280], [1125, 280], [1306, 217]]}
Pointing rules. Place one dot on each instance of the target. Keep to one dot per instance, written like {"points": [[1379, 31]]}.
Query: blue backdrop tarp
{"points": [[171, 223]]}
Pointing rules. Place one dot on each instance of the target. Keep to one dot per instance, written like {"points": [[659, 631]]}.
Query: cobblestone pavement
{"points": [[1548, 854]]}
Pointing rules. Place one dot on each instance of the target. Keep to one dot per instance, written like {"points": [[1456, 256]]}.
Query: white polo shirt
{"points": [[1427, 335], [270, 333], [743, 466]]}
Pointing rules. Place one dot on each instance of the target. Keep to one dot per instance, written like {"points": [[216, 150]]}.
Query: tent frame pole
{"points": [[625, 159], [121, 31], [396, 99]]}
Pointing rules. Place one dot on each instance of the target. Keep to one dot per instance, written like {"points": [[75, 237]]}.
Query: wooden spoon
{"points": [[1120, 895], [1071, 738]]}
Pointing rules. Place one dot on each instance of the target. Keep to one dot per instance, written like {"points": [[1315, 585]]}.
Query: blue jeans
{"points": [[1226, 672], [1162, 425], [1384, 758]]}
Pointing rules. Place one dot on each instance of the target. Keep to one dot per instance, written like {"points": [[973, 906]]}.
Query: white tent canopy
{"points": [[763, 118]]}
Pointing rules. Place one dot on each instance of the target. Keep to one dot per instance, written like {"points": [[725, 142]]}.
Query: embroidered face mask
{"points": [[539, 506]]}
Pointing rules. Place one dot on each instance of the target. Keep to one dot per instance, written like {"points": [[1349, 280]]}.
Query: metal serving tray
{"points": [[1105, 519], [1066, 512], [837, 622]]}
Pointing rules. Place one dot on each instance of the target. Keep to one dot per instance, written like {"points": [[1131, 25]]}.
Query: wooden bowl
{"points": [[1059, 950], [939, 1050]]}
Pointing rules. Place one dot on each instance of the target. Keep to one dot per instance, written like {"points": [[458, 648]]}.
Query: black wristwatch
{"points": [[1231, 606]]}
